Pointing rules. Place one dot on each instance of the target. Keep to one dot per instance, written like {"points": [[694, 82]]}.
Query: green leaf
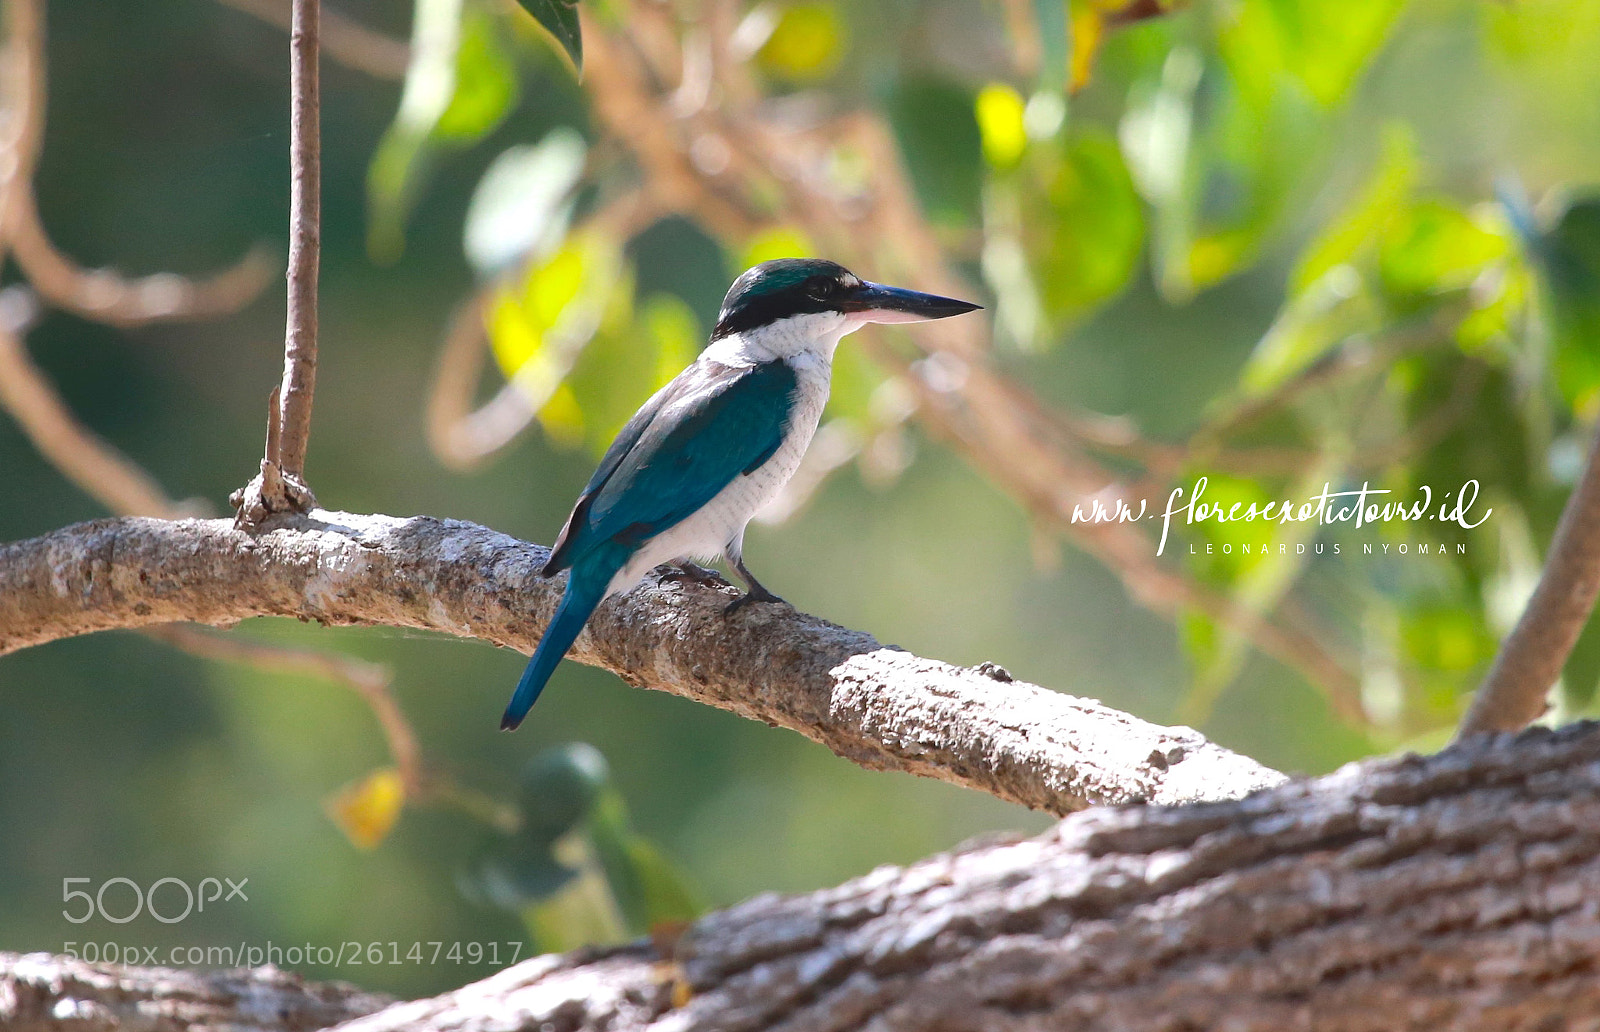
{"points": [[1063, 234], [460, 84], [560, 19], [1434, 246], [485, 81], [1085, 250], [523, 202], [1353, 231], [1319, 45], [938, 133], [1569, 259], [648, 889], [559, 787]]}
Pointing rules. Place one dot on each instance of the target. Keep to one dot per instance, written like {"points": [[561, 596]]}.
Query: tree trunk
{"points": [[1460, 891]]}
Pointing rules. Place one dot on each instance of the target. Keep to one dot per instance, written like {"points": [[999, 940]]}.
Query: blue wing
{"points": [[709, 425]]}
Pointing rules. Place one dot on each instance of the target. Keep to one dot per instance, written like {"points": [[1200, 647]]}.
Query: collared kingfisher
{"points": [[715, 445]]}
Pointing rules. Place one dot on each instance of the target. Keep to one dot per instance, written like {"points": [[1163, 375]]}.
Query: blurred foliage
{"points": [[1301, 245], [574, 870]]}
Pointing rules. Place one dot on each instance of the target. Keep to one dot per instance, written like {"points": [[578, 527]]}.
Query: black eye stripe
{"points": [[780, 289]]}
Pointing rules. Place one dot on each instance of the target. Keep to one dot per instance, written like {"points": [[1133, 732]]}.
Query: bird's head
{"points": [[819, 299]]}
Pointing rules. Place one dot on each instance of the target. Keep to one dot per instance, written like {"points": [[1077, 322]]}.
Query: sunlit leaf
{"points": [[1322, 45], [459, 85], [778, 242], [1088, 31], [999, 110], [675, 332], [539, 328], [1220, 162], [1082, 224], [560, 19], [486, 80], [1357, 227], [806, 44], [368, 809], [561, 417], [1434, 246], [523, 202], [1307, 328]]}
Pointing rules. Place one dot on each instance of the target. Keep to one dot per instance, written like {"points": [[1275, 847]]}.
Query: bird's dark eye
{"points": [[824, 287]]}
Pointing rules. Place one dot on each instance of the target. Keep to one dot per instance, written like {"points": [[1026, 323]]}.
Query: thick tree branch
{"points": [[1449, 893], [875, 705], [1513, 694], [39, 992]]}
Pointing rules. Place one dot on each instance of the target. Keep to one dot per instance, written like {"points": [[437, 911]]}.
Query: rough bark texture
{"points": [[1453, 892], [876, 705], [41, 993]]}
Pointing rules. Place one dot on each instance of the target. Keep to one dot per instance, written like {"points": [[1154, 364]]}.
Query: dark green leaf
{"points": [[560, 19]]}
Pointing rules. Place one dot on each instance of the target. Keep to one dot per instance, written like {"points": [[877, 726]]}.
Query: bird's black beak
{"points": [[874, 302]]}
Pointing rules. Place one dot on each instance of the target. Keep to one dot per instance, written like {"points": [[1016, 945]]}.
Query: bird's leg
{"points": [[684, 571], [754, 591]]}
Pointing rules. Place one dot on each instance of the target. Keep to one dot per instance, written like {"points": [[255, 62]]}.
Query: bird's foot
{"points": [[755, 594], [692, 573]]}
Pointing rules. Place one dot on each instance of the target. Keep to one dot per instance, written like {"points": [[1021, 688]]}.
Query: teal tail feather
{"points": [[583, 594]]}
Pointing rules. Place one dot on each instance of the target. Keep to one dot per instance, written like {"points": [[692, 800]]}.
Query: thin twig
{"points": [[344, 39], [305, 240], [371, 681], [1531, 657], [99, 294], [281, 485], [84, 458], [107, 297]]}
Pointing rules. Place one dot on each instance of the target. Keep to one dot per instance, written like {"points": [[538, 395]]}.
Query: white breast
{"points": [[720, 522]]}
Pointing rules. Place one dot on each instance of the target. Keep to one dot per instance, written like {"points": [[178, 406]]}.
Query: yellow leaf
{"points": [[780, 242], [562, 417], [1088, 29], [553, 286], [512, 337], [366, 810], [806, 44], [999, 110], [672, 325]]}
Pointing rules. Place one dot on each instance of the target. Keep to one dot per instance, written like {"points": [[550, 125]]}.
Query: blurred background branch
{"points": [[343, 39]]}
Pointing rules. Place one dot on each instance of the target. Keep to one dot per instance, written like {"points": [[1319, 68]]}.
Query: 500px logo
{"points": [[121, 910]]}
